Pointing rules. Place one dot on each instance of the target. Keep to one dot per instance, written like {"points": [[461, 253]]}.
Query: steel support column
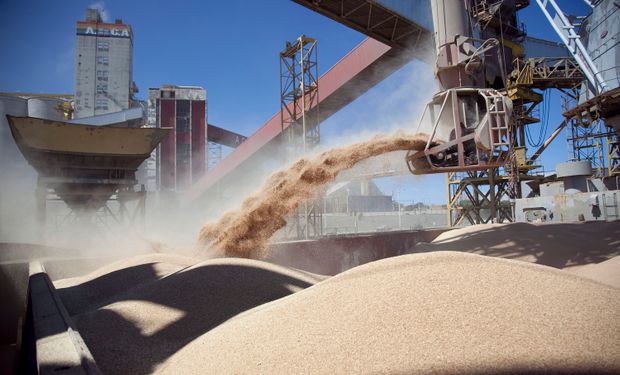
{"points": [[299, 114], [613, 152], [478, 197]]}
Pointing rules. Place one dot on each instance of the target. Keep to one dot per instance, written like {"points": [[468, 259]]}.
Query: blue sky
{"points": [[231, 48]]}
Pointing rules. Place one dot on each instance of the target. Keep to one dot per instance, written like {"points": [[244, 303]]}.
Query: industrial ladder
{"points": [[498, 125]]}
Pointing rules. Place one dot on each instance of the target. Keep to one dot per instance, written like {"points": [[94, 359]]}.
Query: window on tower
{"points": [[101, 103], [102, 75], [103, 60], [167, 94], [183, 116], [103, 46], [102, 88]]}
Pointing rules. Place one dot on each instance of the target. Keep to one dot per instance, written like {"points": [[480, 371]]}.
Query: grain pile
{"points": [[607, 272], [246, 231], [437, 312], [558, 245], [141, 327], [88, 292], [441, 312]]}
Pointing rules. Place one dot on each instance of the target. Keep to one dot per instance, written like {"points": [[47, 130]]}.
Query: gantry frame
{"points": [[486, 196], [299, 114]]}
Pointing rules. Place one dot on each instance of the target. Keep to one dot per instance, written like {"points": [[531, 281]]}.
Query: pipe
{"points": [[548, 142], [450, 21]]}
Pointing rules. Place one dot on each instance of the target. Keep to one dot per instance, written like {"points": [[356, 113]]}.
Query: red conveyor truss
{"points": [[362, 68]]}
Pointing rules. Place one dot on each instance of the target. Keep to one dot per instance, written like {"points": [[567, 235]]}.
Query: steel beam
{"points": [[378, 22], [361, 69], [224, 137]]}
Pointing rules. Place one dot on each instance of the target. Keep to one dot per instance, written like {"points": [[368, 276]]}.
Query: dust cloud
{"points": [[245, 232]]}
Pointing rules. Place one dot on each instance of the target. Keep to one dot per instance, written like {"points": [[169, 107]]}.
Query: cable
{"points": [[543, 130], [544, 122]]}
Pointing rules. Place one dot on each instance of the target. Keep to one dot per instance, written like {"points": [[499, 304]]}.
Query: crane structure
{"points": [[492, 94], [299, 115], [591, 106], [479, 125], [474, 137], [566, 31]]}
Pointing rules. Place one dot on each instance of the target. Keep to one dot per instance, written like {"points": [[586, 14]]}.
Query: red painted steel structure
{"points": [[198, 139], [183, 162], [183, 151], [362, 68], [224, 137], [168, 147]]}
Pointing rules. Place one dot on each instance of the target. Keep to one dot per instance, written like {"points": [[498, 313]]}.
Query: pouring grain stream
{"points": [[245, 232]]}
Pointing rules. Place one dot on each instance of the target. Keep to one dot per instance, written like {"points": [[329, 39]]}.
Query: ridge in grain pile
{"points": [[439, 311], [444, 313]]}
